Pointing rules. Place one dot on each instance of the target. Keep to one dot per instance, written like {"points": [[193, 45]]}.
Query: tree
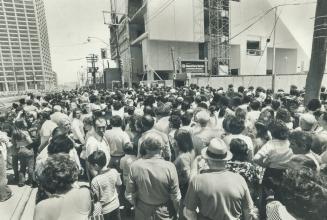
{"points": [[318, 53]]}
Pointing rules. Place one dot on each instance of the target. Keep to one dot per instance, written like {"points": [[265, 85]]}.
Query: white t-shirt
{"points": [[93, 144], [47, 127]]}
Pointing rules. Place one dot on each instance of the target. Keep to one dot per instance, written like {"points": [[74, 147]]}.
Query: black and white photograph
{"points": [[163, 110]]}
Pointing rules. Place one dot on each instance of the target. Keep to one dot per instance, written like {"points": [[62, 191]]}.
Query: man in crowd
{"points": [[98, 141], [217, 192], [116, 139], [153, 183], [147, 123]]}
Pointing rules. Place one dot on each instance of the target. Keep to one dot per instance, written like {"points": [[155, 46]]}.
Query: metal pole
{"points": [[102, 79], [174, 65], [274, 55], [131, 73], [78, 81]]}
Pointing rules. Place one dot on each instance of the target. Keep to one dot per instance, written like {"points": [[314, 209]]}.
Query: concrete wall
{"points": [[286, 60], [282, 81], [242, 15], [180, 20], [157, 54], [235, 53]]}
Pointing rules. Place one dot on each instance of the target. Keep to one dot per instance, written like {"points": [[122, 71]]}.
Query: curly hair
{"points": [[59, 173]]}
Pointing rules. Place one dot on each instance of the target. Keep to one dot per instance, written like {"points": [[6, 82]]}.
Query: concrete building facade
{"points": [[25, 61], [150, 35]]}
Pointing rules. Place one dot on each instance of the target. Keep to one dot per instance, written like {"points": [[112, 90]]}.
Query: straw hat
{"points": [[217, 150]]}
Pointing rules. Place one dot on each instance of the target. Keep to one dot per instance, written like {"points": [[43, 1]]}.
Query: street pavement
{"points": [[22, 204], [14, 208]]}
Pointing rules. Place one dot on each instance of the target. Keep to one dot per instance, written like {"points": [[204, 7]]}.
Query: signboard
{"points": [[197, 67]]}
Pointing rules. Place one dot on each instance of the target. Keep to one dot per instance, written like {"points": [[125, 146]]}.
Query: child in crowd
{"points": [[104, 185]]}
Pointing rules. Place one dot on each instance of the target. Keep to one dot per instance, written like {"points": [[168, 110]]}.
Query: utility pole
{"points": [[318, 53], [131, 74], [274, 55], [118, 54], [92, 59], [172, 49], [115, 25]]}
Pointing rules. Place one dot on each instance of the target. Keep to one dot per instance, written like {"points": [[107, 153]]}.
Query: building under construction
{"points": [[179, 39]]}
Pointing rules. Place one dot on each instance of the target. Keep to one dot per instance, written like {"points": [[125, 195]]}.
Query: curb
{"points": [[19, 210]]}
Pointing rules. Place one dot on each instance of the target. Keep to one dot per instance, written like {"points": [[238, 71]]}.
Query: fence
{"points": [[283, 81]]}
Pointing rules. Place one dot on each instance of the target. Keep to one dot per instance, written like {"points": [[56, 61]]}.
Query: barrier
{"points": [[159, 83], [283, 81]]}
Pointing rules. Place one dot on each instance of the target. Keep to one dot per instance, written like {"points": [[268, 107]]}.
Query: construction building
{"points": [[179, 39], [25, 61]]}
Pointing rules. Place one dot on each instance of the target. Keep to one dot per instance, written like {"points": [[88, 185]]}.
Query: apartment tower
{"points": [[25, 61]]}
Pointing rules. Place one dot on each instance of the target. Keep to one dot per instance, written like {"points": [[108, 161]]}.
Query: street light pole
{"points": [[274, 55], [92, 59]]}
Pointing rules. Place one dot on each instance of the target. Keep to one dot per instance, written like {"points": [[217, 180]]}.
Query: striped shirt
{"points": [[104, 186]]}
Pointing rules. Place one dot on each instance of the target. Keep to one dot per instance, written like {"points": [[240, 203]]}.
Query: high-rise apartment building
{"points": [[25, 61]]}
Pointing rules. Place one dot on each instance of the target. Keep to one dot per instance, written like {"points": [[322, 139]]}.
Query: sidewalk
{"points": [[13, 208]]}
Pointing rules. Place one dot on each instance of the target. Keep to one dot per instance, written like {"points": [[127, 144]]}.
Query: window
{"points": [[253, 48], [234, 72], [269, 72]]}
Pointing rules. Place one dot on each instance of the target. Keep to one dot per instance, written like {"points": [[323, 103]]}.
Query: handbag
{"points": [[24, 152], [96, 207]]}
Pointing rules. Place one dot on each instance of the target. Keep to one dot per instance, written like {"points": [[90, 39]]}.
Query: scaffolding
{"points": [[218, 32]]}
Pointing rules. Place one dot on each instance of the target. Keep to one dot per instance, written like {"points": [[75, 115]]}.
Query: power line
{"points": [[160, 10], [267, 12], [76, 59], [272, 31], [71, 45]]}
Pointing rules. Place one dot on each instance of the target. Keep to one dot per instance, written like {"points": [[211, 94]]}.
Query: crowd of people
{"points": [[169, 153]]}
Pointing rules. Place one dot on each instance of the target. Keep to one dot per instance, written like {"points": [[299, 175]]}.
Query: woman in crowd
{"points": [[262, 135], [184, 159], [59, 144], [22, 153], [66, 201], [240, 164], [236, 127], [5, 191]]}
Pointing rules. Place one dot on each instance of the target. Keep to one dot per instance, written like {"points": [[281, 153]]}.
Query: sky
{"points": [[70, 22]]}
